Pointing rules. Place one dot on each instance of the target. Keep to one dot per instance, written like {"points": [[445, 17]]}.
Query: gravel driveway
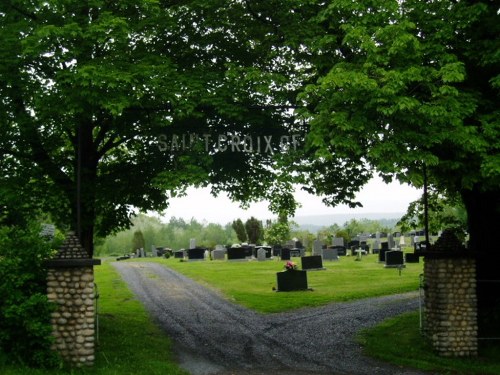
{"points": [[215, 336]]}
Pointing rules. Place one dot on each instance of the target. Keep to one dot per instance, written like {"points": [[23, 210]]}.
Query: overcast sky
{"points": [[376, 197]]}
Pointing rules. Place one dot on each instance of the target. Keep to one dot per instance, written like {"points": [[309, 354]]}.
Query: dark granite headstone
{"points": [[394, 258], [314, 262], [291, 280], [341, 250], [412, 258], [179, 254], [236, 253], [198, 253], [285, 254]]}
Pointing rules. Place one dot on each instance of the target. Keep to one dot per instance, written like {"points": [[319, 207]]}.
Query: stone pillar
{"points": [[450, 307], [70, 285]]}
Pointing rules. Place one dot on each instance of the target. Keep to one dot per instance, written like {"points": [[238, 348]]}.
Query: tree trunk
{"points": [[86, 162], [483, 210]]}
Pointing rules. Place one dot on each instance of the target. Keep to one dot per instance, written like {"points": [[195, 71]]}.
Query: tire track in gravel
{"points": [[214, 336]]}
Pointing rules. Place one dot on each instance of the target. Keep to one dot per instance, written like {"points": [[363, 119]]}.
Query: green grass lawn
{"points": [[251, 283]]}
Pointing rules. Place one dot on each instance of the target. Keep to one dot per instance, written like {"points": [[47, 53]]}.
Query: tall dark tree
{"points": [[239, 228], [107, 106], [254, 230]]}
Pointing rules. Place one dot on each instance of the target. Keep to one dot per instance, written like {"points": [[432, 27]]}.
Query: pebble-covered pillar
{"points": [[70, 285], [450, 307]]}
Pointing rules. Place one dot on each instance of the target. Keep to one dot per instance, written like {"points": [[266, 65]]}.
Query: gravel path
{"points": [[215, 336]]}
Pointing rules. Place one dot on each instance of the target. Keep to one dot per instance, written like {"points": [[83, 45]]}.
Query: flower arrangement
{"points": [[290, 266]]}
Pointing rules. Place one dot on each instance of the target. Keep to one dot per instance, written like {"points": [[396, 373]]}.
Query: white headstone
{"points": [[402, 241], [192, 243], [261, 254]]}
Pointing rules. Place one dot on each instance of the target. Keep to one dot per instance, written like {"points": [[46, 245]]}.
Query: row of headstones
{"points": [[239, 253]]}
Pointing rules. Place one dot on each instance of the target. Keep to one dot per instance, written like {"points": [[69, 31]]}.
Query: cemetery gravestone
{"points": [[341, 250], [297, 252], [236, 253], [291, 280], [317, 248], [390, 241], [383, 250], [154, 251], [338, 241], [179, 254], [285, 254], [218, 254], [330, 254], [197, 253], [261, 254], [192, 243], [412, 258], [311, 263], [394, 259]]}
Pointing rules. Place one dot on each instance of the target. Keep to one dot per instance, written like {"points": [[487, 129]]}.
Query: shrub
{"points": [[25, 330]]}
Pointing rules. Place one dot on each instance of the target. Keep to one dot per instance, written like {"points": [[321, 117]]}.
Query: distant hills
{"points": [[313, 223]]}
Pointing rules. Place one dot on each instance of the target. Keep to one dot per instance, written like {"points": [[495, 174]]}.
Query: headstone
{"points": [[138, 253], [341, 250], [338, 241], [236, 253], [179, 254], [394, 259], [218, 254], [330, 254], [384, 248], [402, 241], [291, 280], [207, 254], [412, 258], [248, 251], [297, 252], [354, 244], [310, 263], [143, 255], [261, 254], [268, 251], [197, 253], [285, 254], [376, 247], [390, 241], [154, 251], [377, 236], [192, 243], [317, 248], [276, 250]]}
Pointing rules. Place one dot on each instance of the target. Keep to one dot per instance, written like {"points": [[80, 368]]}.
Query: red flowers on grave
{"points": [[290, 266]]}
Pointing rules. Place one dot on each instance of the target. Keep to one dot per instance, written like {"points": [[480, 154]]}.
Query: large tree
{"points": [[408, 88], [110, 106]]}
